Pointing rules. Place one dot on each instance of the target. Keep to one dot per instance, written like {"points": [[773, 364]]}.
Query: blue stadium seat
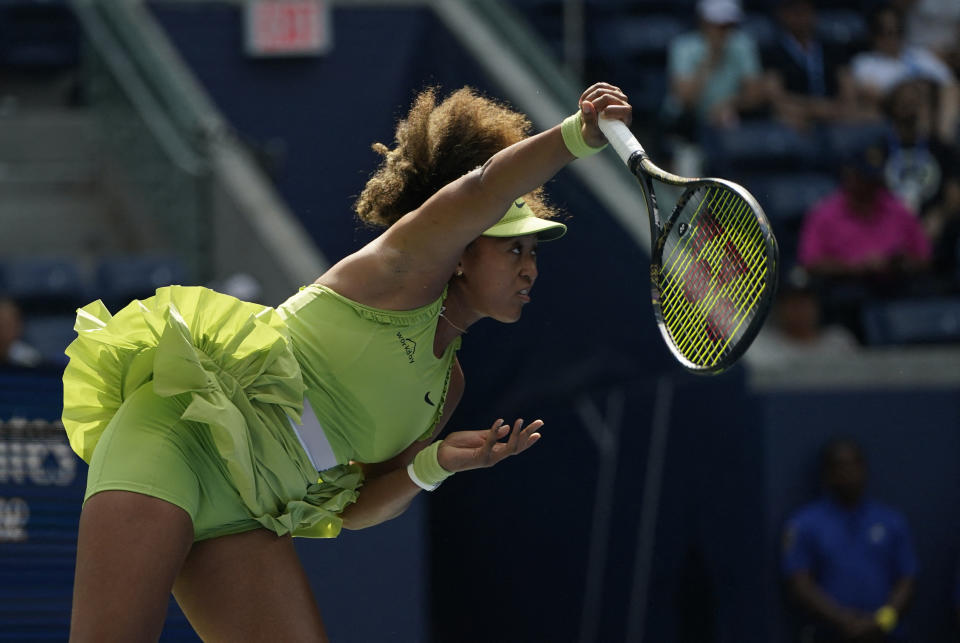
{"points": [[50, 334], [920, 321], [843, 27], [43, 284], [761, 145], [786, 196], [635, 39], [120, 279], [646, 89], [844, 140]]}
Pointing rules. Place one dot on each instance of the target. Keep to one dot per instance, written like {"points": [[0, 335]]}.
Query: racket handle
{"points": [[620, 137]]}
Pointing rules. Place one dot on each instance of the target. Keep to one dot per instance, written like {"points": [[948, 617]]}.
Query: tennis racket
{"points": [[713, 267]]}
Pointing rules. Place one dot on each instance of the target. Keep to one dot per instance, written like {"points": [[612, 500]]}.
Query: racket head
{"points": [[713, 274]]}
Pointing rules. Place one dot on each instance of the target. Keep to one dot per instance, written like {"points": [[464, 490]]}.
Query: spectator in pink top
{"points": [[863, 229]]}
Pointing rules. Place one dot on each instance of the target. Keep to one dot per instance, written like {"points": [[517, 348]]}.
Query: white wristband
{"points": [[417, 481], [425, 470]]}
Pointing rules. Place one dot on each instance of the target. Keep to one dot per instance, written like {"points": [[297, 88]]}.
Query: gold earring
{"points": [[459, 272]]}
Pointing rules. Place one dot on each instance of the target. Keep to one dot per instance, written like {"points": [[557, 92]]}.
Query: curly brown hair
{"points": [[437, 144]]}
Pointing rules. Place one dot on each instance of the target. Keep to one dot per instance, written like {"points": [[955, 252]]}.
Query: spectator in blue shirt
{"points": [[848, 559], [716, 70], [715, 78], [807, 77]]}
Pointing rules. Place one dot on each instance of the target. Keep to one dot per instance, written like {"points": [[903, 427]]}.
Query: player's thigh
{"points": [[136, 525], [248, 587], [130, 548]]}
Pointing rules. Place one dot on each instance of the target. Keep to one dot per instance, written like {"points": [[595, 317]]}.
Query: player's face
{"points": [[498, 275]]}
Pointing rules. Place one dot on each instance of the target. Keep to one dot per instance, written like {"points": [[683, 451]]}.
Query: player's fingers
{"points": [[497, 431], [595, 88], [513, 442], [607, 95], [528, 438], [606, 101], [588, 112], [531, 440], [601, 86], [520, 439], [532, 427], [610, 94], [619, 112]]}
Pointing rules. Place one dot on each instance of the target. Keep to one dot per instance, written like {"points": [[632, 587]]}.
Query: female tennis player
{"points": [[182, 403]]}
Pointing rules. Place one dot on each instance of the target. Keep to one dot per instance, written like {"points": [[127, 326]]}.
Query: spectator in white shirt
{"points": [[891, 61]]}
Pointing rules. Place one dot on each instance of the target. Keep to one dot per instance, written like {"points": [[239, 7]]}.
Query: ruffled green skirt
{"points": [[225, 372]]}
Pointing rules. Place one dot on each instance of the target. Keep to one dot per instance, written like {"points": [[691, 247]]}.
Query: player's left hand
{"points": [[606, 98], [465, 450]]}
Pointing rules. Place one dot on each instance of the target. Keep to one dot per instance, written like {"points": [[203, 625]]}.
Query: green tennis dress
{"points": [[188, 396]]}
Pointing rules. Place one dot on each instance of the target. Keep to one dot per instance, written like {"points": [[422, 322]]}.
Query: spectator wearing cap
{"points": [[715, 75]]}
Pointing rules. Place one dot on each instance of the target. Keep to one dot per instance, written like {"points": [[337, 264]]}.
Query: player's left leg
{"points": [[248, 587]]}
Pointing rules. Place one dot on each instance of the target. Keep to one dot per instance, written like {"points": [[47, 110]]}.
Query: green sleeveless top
{"points": [[371, 375]]}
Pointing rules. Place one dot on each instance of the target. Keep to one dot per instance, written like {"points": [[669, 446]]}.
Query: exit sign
{"points": [[288, 27]]}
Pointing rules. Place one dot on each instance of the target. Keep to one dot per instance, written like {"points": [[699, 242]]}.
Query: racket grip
{"points": [[620, 137]]}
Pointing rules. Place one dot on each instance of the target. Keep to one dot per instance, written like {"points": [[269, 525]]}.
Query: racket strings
{"points": [[715, 312], [745, 286], [716, 315], [714, 275]]}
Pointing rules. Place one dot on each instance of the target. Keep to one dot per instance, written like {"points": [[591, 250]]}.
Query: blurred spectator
{"points": [[848, 559], [715, 74], [796, 329], [862, 229], [891, 60], [935, 24], [862, 243], [807, 79], [13, 350], [923, 170]]}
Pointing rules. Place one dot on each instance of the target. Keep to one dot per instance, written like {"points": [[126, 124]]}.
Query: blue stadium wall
{"points": [[506, 551]]}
